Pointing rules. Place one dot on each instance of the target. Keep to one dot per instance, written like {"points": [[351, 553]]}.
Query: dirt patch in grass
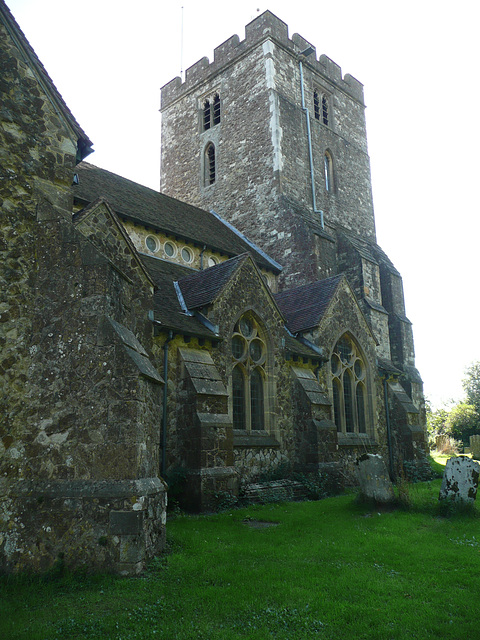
{"points": [[259, 524]]}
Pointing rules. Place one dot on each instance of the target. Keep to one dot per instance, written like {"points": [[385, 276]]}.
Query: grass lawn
{"points": [[332, 569]]}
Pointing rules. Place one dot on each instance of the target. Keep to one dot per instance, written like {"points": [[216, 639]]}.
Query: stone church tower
{"points": [[274, 140]]}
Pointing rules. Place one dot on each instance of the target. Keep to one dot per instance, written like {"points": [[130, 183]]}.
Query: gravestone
{"points": [[373, 477], [475, 446], [460, 480]]}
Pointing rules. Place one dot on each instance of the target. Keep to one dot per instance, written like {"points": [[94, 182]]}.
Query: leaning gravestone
{"points": [[375, 483], [460, 480]]}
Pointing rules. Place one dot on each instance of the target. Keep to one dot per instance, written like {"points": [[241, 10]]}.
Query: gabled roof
{"points": [[201, 288], [152, 209], [84, 144], [303, 307]]}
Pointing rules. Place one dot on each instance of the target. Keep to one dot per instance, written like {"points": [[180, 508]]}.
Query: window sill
{"points": [[355, 440], [251, 440]]}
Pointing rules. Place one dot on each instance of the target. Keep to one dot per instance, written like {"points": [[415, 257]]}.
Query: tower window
{"points": [[211, 111], [206, 115], [324, 110], [210, 169], [316, 105], [249, 356], [349, 387], [216, 109], [328, 170]]}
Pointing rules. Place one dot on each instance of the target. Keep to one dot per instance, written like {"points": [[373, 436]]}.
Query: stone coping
{"points": [[81, 488]]}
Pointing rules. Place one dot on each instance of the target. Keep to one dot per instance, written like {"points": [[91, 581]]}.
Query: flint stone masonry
{"points": [[375, 483], [460, 480]]}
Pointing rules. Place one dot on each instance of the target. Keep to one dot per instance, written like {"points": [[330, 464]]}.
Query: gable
{"points": [[345, 316], [245, 289], [99, 224]]}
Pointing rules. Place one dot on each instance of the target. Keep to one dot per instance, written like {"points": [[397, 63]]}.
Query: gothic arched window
{"points": [[209, 162], [349, 378], [249, 355]]}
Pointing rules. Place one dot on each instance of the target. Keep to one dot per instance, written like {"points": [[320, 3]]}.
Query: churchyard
{"points": [[331, 569]]}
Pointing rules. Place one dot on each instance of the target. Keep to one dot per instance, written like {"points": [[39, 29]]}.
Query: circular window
{"points": [[169, 249], [187, 255], [152, 243], [256, 350], [358, 368], [335, 364], [238, 347], [212, 261]]}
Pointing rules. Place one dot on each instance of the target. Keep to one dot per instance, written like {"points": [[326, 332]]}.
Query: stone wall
{"points": [[80, 401]]}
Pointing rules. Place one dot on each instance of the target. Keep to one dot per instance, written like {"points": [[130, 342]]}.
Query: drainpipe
{"points": [[389, 432], [309, 136], [163, 464]]}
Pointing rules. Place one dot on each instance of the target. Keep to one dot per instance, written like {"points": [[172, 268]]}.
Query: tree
{"points": [[463, 421], [471, 385]]}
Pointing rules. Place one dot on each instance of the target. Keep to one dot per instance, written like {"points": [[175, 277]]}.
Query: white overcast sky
{"points": [[419, 62]]}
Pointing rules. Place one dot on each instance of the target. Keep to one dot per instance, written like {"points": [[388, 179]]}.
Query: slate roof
{"points": [[84, 143], [202, 287], [152, 209], [303, 307]]}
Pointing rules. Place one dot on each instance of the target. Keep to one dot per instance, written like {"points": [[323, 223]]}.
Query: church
{"points": [[241, 324]]}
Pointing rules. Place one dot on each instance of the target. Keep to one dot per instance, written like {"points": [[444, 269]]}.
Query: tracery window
{"points": [[249, 354], [209, 164], [349, 383]]}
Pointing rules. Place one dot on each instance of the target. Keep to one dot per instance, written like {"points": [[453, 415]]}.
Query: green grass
{"points": [[332, 569]]}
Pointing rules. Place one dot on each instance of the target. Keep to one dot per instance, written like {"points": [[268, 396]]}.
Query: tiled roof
{"points": [[84, 144], [167, 309], [160, 212], [202, 287], [304, 307]]}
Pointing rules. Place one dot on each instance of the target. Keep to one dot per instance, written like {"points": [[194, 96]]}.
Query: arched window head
{"points": [[328, 170], [349, 379], [249, 357], [209, 168]]}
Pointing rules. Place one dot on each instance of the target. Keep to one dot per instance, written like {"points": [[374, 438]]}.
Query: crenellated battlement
{"points": [[266, 26]]}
